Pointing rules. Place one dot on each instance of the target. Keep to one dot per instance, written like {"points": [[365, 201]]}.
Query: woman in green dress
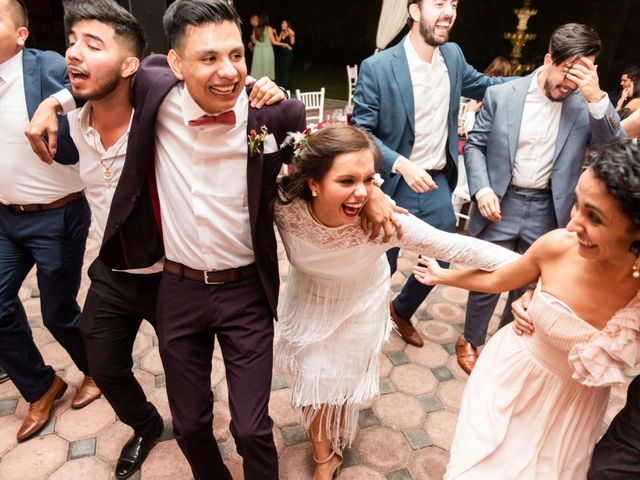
{"points": [[264, 38]]}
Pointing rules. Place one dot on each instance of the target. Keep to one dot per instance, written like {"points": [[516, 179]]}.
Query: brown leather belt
{"points": [[433, 173], [215, 277], [38, 207]]}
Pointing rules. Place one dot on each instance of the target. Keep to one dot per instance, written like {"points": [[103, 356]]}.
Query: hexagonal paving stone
{"points": [[429, 464], [8, 391], [382, 448], [451, 393], [86, 422], [143, 343], [111, 440], [89, 467], [296, 462], [399, 410], [221, 419], [385, 366], [394, 344], [414, 380], [41, 336], [280, 409], [446, 312], [34, 459], [159, 398], [441, 426], [456, 369], [9, 426], [217, 372], [436, 331], [453, 294], [151, 362], [166, 462], [56, 356], [431, 355], [360, 472]]}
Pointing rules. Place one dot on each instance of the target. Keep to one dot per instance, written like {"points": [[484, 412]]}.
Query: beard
{"points": [[428, 34], [548, 91], [102, 91]]}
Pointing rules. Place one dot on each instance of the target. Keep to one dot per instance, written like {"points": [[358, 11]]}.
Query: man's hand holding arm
{"points": [[264, 92], [382, 213], [42, 130]]}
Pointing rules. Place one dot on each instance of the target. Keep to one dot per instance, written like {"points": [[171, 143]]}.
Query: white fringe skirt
{"points": [[330, 339]]}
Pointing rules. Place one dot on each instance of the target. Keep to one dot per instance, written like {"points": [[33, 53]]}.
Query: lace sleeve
{"points": [[603, 359], [451, 247]]}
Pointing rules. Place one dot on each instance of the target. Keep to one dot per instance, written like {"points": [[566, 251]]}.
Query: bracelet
{"points": [[286, 94]]}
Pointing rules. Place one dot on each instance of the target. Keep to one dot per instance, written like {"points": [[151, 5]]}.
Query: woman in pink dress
{"points": [[534, 404]]}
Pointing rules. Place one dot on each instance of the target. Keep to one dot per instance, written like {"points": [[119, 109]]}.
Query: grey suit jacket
{"points": [[491, 146], [384, 104]]}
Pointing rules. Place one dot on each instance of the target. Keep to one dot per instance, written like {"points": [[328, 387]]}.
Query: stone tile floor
{"points": [[404, 434]]}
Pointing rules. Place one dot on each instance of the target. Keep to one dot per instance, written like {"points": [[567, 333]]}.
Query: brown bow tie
{"points": [[226, 118]]}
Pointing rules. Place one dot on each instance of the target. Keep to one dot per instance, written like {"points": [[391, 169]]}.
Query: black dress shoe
{"points": [[3, 375], [135, 452]]}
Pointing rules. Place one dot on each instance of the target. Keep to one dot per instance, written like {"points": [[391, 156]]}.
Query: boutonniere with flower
{"points": [[255, 140], [296, 141]]}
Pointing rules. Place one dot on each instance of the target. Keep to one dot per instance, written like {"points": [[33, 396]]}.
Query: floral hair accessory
{"points": [[297, 141], [377, 180], [255, 140]]}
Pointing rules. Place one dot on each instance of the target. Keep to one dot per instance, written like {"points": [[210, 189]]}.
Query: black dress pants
{"points": [[116, 304], [190, 316], [617, 454]]}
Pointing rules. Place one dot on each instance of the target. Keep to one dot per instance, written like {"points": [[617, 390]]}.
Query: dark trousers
{"points": [[527, 214], [116, 304], [435, 208], [617, 454], [190, 316], [55, 241]]}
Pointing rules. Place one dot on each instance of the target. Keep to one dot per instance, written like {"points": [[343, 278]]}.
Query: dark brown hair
{"points": [[317, 158]]}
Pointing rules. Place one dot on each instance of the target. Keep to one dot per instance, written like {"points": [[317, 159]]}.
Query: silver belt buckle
{"points": [[206, 279]]}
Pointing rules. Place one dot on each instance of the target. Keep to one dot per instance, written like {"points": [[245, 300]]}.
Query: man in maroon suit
{"points": [[189, 191]]}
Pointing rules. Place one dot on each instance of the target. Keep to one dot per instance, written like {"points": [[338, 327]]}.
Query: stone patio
{"points": [[404, 434]]}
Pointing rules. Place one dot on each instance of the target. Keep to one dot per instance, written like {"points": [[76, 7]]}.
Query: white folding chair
{"points": [[313, 101], [352, 78], [460, 195]]}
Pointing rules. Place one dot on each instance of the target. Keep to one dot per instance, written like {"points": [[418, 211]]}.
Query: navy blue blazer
{"points": [[45, 73], [384, 104]]}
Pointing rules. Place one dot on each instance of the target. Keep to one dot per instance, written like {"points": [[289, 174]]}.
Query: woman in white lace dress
{"points": [[334, 312], [534, 405]]}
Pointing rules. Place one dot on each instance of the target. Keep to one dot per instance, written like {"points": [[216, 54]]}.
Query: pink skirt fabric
{"points": [[522, 415]]}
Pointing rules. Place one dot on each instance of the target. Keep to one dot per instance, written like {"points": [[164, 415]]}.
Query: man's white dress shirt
{"points": [[24, 178], [202, 185]]}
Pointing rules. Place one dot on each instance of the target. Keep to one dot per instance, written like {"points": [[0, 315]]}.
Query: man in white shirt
{"points": [[524, 156], [105, 46], [407, 97], [44, 219]]}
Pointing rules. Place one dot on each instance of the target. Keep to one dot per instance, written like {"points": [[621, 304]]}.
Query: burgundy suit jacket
{"points": [[133, 235]]}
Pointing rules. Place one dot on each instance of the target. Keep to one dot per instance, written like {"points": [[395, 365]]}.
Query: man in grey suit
{"points": [[524, 156], [407, 97]]}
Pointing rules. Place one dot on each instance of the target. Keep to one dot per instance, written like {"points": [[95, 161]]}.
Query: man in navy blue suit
{"points": [[44, 220], [407, 97]]}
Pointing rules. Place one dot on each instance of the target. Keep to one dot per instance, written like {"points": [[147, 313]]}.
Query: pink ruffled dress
{"points": [[534, 405]]}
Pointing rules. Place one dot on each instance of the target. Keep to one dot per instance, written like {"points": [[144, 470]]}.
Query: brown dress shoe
{"points": [[40, 410], [87, 393], [404, 328], [467, 355]]}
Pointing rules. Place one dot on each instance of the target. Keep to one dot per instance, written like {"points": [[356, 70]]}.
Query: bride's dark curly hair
{"points": [[316, 158], [617, 166]]}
